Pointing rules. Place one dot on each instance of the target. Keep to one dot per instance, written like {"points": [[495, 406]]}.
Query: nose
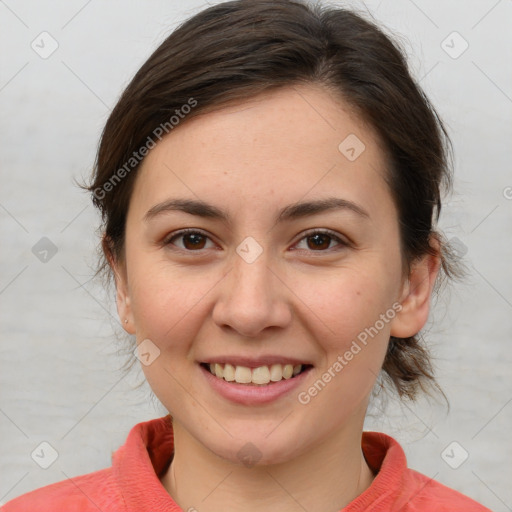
{"points": [[252, 298]]}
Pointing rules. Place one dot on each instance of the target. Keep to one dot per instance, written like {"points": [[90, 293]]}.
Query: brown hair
{"points": [[235, 50]]}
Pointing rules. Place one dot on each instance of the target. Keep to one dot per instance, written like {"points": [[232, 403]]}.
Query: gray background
{"points": [[60, 378]]}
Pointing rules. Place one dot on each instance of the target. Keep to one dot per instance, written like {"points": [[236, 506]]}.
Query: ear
{"points": [[416, 293], [122, 291]]}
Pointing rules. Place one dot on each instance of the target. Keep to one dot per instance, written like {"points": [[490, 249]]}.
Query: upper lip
{"points": [[254, 362]]}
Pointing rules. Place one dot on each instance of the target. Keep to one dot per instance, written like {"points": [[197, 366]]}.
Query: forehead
{"points": [[278, 146]]}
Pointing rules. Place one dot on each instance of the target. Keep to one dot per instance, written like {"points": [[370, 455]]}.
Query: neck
{"points": [[326, 478]]}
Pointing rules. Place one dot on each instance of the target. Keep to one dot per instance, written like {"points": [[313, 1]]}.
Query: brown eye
{"points": [[190, 240], [193, 240], [320, 241]]}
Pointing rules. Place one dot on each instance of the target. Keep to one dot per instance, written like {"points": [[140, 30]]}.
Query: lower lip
{"points": [[247, 394]]}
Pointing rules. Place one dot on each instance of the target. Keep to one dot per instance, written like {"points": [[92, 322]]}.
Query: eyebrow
{"points": [[290, 212]]}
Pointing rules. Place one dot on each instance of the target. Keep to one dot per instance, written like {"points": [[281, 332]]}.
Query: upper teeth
{"points": [[260, 375]]}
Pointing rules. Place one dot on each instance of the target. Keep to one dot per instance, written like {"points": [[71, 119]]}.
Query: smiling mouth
{"points": [[262, 376]]}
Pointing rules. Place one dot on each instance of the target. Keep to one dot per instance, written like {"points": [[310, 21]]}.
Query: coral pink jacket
{"points": [[132, 483]]}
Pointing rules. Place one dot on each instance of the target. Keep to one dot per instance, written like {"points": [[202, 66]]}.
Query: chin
{"points": [[254, 449]]}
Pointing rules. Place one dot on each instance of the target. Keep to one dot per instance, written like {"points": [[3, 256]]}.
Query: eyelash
{"points": [[327, 232]]}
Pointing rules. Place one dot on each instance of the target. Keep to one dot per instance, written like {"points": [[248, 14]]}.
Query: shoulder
{"points": [[425, 493], [397, 488], [86, 493], [131, 480]]}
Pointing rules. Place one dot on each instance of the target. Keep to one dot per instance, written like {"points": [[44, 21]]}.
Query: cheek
{"points": [[166, 302], [352, 329], [353, 313], [347, 303]]}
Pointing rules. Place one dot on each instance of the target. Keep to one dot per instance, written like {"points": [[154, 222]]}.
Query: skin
{"points": [[294, 299]]}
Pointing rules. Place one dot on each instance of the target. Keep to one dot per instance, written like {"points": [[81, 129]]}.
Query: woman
{"points": [[269, 183]]}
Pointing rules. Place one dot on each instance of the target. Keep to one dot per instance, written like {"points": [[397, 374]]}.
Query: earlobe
{"points": [[123, 305], [416, 295], [122, 292]]}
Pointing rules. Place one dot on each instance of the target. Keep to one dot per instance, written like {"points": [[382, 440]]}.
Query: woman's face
{"points": [[261, 281]]}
